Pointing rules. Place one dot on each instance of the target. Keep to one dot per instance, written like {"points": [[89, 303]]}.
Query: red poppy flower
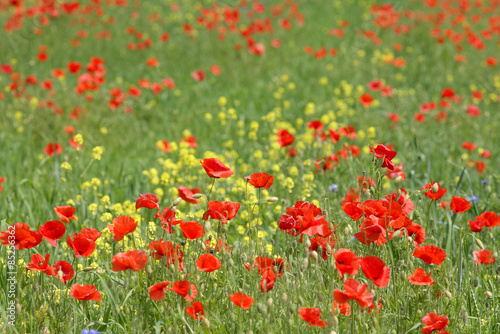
{"points": [[196, 310], [268, 280], [375, 85], [344, 308], [81, 245], [52, 231], [483, 257], [375, 269], [366, 100], [383, 152], [163, 145], [85, 292], [122, 225], [149, 201], [53, 149], [263, 263], [65, 213], [418, 231], [187, 194], [38, 263], [20, 235], [469, 146], [192, 230], [353, 209], [260, 180], [1, 180], [434, 195], [74, 67], [198, 75], [134, 260], [242, 300], [216, 169], [480, 166], [420, 278], [221, 210], [347, 262], [312, 316], [63, 271], [320, 245], [490, 218], [476, 225], [173, 254], [191, 141], [152, 62], [459, 204], [185, 289], [354, 291], [157, 291], [285, 138], [208, 263], [430, 254], [434, 322]]}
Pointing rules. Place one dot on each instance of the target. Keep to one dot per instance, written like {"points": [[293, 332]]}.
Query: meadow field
{"points": [[327, 166]]}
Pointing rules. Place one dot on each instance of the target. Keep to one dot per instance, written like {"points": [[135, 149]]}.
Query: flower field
{"points": [[250, 166]]}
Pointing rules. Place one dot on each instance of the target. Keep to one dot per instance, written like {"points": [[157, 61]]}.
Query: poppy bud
{"points": [[51, 313], [367, 193], [435, 188], [372, 189], [230, 262], [149, 270], [269, 302], [293, 308], [207, 226], [206, 322], [305, 264], [232, 317], [87, 269], [320, 297], [198, 195], [60, 275], [262, 309], [479, 243], [110, 284], [397, 234], [314, 255], [465, 316], [375, 322], [488, 294], [333, 321], [301, 301], [177, 201], [284, 297], [225, 228], [272, 199], [244, 257], [308, 243], [448, 294], [394, 331]]}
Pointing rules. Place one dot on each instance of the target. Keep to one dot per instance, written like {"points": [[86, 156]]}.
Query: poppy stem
{"points": [[210, 192]]}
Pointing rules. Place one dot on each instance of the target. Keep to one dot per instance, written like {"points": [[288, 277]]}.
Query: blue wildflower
{"points": [[333, 187], [473, 199], [90, 331]]}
